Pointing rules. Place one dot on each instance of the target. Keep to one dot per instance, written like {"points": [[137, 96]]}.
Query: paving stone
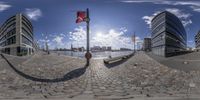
{"points": [[139, 75]]}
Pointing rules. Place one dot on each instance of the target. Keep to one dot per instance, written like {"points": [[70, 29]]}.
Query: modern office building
{"points": [[197, 41], [147, 44], [16, 36], [168, 34]]}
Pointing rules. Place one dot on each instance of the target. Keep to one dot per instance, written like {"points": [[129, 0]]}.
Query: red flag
{"points": [[81, 15]]}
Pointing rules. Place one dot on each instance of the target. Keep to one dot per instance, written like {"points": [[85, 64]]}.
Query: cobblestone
{"points": [[66, 77]]}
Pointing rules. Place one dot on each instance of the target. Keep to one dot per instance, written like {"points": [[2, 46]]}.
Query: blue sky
{"points": [[113, 22]]}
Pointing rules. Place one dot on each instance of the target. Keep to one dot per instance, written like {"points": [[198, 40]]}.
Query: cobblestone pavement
{"points": [[55, 76]]}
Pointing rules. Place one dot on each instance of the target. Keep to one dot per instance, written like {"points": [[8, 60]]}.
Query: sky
{"points": [[113, 22]]}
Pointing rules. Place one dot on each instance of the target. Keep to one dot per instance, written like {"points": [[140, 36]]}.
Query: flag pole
{"points": [[84, 16], [88, 44]]}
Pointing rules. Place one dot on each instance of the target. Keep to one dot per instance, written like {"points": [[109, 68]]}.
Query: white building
{"points": [[16, 36]]}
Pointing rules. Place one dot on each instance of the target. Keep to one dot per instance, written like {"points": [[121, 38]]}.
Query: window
{"points": [[21, 51], [26, 33], [11, 40], [26, 41], [6, 50]]}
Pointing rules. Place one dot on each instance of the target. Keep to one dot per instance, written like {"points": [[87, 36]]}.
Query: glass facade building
{"points": [[147, 44], [16, 36], [168, 34], [197, 41]]}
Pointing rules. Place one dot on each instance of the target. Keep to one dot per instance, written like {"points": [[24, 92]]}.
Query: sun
{"points": [[99, 34]]}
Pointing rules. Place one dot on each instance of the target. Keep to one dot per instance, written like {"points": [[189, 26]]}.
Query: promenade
{"points": [[60, 77]]}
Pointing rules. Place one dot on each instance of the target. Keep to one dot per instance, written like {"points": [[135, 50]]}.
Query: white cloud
{"points": [[54, 40], [186, 22], [123, 29], [191, 3], [178, 13], [33, 13], [113, 38], [4, 6], [78, 36], [140, 1], [149, 1], [58, 39], [42, 43], [195, 5], [195, 8], [148, 19], [184, 17]]}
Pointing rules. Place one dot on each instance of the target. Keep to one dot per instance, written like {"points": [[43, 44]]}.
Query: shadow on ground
{"points": [[71, 75], [179, 53]]}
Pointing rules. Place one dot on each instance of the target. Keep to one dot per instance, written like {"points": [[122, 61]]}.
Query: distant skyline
{"points": [[113, 22]]}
